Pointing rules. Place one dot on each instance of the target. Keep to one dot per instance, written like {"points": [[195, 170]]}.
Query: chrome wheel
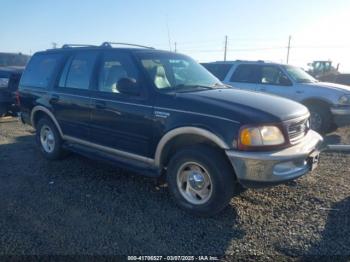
{"points": [[315, 120], [47, 139], [194, 183]]}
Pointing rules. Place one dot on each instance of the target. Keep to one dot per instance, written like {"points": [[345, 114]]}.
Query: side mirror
{"points": [[128, 86], [284, 81]]}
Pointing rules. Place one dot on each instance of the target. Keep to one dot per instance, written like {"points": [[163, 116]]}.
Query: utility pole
{"points": [[225, 52], [54, 45], [288, 48], [175, 45]]}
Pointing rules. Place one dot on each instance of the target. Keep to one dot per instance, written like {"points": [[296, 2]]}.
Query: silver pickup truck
{"points": [[328, 103]]}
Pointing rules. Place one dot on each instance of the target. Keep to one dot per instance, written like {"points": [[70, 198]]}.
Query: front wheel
{"points": [[201, 180], [320, 119]]}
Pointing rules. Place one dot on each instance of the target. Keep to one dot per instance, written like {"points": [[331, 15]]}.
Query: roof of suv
{"points": [[245, 62]]}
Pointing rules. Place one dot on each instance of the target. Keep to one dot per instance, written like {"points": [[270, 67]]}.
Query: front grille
{"points": [[297, 129]]}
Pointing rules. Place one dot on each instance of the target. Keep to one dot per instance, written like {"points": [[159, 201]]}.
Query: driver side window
{"points": [[115, 67], [272, 75]]}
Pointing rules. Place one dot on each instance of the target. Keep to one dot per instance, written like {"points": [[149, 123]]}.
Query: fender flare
{"points": [[186, 131], [48, 113]]}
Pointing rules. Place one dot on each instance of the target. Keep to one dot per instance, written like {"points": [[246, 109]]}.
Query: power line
{"points": [[234, 49]]}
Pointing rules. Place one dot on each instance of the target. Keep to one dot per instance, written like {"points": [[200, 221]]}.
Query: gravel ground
{"points": [[80, 206]]}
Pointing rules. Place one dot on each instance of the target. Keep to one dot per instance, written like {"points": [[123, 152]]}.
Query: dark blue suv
{"points": [[163, 114]]}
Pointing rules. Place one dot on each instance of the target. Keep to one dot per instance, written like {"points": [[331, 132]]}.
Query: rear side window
{"points": [[78, 70], [218, 70], [40, 70], [246, 74]]}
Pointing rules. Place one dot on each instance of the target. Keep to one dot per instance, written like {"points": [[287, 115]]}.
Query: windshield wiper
{"points": [[220, 85], [304, 80], [189, 88], [182, 88]]}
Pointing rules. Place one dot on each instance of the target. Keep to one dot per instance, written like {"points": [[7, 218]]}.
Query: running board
{"points": [[115, 160]]}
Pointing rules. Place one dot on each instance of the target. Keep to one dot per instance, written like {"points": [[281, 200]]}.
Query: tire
{"points": [[52, 148], [193, 161], [323, 116]]}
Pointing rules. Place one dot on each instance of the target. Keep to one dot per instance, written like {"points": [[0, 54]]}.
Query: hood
{"points": [[333, 86], [248, 105]]}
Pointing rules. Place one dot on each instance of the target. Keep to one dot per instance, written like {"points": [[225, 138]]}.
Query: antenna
{"points": [[167, 27]]}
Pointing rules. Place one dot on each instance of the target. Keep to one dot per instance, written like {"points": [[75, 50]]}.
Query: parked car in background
{"points": [[343, 79], [9, 80], [162, 114], [328, 103], [13, 59]]}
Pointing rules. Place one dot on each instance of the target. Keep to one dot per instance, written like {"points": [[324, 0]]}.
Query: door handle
{"points": [[300, 92], [100, 105], [54, 98]]}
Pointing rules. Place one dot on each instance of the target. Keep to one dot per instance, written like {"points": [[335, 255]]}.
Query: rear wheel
{"points": [[48, 139], [201, 180], [320, 119]]}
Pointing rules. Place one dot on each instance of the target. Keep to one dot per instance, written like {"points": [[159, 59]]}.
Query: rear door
{"points": [[121, 121], [245, 76], [71, 98], [217, 69]]}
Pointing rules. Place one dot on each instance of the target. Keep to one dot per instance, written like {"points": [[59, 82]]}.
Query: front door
{"points": [[121, 120], [274, 81]]}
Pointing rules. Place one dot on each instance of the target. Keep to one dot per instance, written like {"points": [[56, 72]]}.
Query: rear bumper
{"points": [[341, 115], [261, 169]]}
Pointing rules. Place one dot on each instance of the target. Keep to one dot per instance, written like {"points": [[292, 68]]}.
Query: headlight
{"points": [[261, 136], [344, 100], [4, 82]]}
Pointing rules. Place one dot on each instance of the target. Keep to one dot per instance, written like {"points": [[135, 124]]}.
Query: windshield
{"points": [[178, 73], [299, 75]]}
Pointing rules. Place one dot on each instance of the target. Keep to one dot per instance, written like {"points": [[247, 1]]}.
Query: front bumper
{"points": [[260, 169], [341, 115]]}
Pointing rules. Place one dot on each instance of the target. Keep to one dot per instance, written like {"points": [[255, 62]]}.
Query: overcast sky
{"points": [[255, 29]]}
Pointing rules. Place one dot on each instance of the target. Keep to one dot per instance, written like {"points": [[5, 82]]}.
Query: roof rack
{"points": [[76, 45], [109, 44]]}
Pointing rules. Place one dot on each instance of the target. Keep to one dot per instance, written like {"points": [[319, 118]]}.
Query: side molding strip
{"points": [[110, 150], [186, 131]]}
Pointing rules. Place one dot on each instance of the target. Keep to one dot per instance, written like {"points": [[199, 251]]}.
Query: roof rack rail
{"points": [[76, 45], [109, 44]]}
